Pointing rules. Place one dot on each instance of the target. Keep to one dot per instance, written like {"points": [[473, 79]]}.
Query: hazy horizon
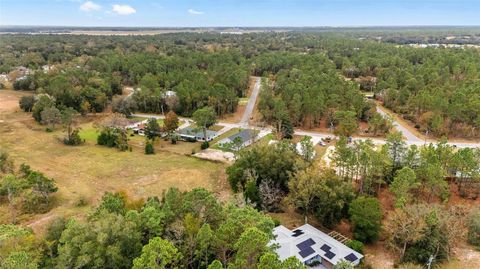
{"points": [[235, 13]]}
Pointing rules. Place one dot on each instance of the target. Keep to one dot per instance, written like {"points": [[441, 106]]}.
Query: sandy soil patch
{"points": [[216, 155], [9, 100]]}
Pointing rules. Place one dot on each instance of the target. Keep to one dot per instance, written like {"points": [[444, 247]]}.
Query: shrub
{"points": [[74, 139], [366, 216], [355, 245], [81, 201], [108, 139], [473, 225], [35, 203], [25, 84], [149, 148], [44, 101], [205, 145], [27, 103]]}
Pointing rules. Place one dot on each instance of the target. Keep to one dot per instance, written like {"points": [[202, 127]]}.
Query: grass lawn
{"points": [[138, 119], [89, 133], [267, 138], [243, 101], [215, 128], [225, 135], [87, 171]]}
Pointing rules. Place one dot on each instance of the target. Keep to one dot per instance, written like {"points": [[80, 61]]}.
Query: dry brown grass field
{"points": [[86, 172]]}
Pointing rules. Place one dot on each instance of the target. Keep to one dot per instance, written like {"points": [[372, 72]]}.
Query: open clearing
{"points": [[87, 171]]}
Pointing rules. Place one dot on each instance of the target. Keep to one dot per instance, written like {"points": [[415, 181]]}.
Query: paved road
{"points": [[251, 102], [409, 136]]}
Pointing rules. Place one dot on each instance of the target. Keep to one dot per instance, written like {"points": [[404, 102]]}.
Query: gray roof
{"points": [[196, 132], [245, 135]]}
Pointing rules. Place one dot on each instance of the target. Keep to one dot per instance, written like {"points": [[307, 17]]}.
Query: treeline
{"points": [[435, 88], [168, 74], [177, 230]]}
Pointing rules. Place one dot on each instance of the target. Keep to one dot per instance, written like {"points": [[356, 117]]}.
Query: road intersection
{"points": [[409, 137]]}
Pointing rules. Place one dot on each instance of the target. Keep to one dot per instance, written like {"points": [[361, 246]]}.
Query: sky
{"points": [[207, 13]]}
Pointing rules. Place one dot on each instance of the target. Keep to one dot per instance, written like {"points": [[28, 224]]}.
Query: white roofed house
{"points": [[313, 247]]}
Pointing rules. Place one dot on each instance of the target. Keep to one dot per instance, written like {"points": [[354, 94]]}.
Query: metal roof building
{"points": [[246, 136], [197, 134], [313, 247]]}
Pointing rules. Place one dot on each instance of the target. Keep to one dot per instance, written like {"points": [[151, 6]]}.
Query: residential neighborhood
{"points": [[239, 134]]}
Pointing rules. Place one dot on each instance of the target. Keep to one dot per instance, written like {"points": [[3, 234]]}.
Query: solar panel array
{"points": [[307, 243], [329, 254], [297, 233], [306, 247], [325, 247], [351, 257], [306, 252]]}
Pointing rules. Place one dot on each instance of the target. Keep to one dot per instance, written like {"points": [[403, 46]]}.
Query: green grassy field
{"points": [[138, 119], [87, 171], [89, 133]]}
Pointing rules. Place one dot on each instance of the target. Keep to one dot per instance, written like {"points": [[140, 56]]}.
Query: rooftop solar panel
{"points": [[351, 257], [306, 252], [307, 243], [329, 254], [297, 233], [325, 247]]}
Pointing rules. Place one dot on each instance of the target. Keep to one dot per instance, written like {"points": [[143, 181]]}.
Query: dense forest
{"points": [[312, 76], [397, 193]]}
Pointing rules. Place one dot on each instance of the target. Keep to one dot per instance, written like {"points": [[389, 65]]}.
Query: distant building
{"points": [[170, 94], [23, 71], [21, 78], [47, 68], [194, 134], [299, 149], [312, 247], [232, 33], [244, 138]]}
